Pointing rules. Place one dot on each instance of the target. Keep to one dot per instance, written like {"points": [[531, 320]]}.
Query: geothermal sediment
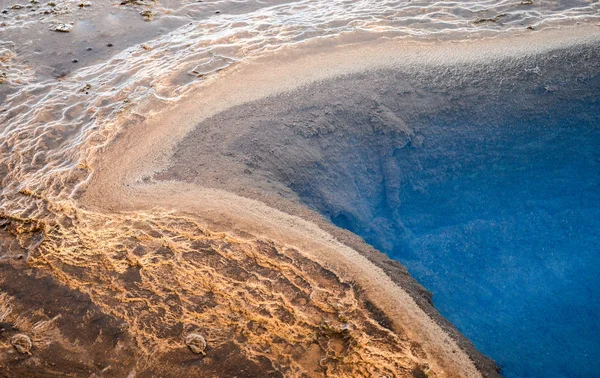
{"points": [[196, 158]]}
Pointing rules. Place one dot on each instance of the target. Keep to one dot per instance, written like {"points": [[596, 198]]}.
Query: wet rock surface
{"points": [[78, 24], [292, 318]]}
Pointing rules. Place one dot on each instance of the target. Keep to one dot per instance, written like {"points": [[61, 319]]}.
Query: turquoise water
{"points": [[500, 219]]}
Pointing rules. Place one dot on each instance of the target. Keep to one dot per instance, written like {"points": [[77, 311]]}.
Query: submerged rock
{"points": [[196, 343], [493, 19], [148, 14], [63, 28], [22, 343]]}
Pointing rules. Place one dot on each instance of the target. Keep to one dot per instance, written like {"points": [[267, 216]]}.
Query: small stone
{"points": [[217, 12], [52, 4], [75, 60], [148, 14], [196, 343], [109, 44], [89, 49], [84, 4], [22, 343], [63, 28], [17, 7]]}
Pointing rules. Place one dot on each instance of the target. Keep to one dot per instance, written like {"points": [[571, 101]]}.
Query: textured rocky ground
{"points": [[262, 310]]}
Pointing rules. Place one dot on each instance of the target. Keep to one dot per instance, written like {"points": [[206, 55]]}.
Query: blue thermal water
{"points": [[501, 221]]}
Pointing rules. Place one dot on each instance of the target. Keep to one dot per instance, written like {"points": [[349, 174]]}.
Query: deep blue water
{"points": [[501, 221], [484, 181]]}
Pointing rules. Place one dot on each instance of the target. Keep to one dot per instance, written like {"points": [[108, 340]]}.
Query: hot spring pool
{"points": [[483, 179], [495, 208], [503, 226]]}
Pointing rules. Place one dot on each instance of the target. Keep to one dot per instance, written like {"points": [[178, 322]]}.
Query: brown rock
{"points": [[196, 343], [22, 343]]}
